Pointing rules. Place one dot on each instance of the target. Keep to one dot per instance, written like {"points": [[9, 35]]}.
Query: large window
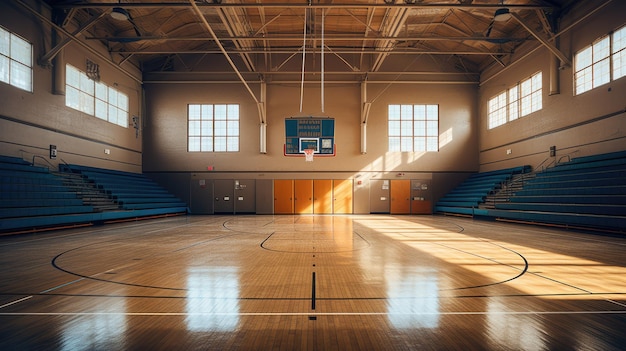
{"points": [[16, 61], [600, 62], [518, 101], [95, 98], [213, 128], [413, 128]]}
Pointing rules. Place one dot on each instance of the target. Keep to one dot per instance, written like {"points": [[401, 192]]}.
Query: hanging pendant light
{"points": [[120, 14]]}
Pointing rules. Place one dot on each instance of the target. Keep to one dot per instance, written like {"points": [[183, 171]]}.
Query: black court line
{"points": [[313, 292]]}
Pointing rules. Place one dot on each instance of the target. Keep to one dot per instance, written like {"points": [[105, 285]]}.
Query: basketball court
{"points": [[316, 282]]}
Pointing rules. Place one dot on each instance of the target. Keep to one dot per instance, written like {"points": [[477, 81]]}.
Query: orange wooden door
{"points": [[303, 203], [322, 196], [342, 196], [283, 196], [400, 196]]}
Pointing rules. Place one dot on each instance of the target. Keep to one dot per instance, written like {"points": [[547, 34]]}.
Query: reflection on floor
{"points": [[313, 282]]}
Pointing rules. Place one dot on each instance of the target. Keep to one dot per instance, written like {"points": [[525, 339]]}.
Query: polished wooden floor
{"points": [[313, 283]]}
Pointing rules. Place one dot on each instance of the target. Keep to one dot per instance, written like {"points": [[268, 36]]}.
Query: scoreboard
{"points": [[317, 133]]}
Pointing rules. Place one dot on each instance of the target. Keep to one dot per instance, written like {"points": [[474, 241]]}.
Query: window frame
{"points": [[95, 98], [413, 127], [16, 65], [213, 127], [603, 65], [520, 100]]}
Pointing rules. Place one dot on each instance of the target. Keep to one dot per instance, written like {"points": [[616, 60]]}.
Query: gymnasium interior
{"points": [[313, 174]]}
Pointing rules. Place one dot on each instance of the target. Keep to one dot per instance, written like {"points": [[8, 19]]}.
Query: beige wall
{"points": [[166, 133], [31, 121], [586, 124]]}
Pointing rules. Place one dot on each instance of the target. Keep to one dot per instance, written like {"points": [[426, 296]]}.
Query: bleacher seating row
{"points": [[466, 198], [35, 198], [587, 192]]}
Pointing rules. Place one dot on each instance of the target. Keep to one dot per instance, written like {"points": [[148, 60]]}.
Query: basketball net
{"points": [[308, 155]]}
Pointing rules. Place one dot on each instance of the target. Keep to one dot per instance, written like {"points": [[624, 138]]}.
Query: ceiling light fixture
{"points": [[502, 15], [120, 14]]}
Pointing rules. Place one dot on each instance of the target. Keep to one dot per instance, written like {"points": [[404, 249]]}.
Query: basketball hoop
{"points": [[308, 155]]}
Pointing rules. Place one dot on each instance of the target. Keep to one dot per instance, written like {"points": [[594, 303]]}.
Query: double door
{"points": [[400, 196], [308, 196]]}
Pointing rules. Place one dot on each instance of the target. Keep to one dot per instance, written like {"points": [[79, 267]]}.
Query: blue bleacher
{"points": [[466, 198], [33, 198], [585, 193], [132, 191]]}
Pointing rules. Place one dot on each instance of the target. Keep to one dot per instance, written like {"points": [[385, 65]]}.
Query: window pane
{"points": [[220, 144], [72, 98], [112, 114], [5, 40], [207, 144], [406, 112], [432, 128], [113, 97], [102, 91], [122, 118], [406, 128], [537, 81], [85, 84], [537, 101], [601, 49], [619, 64], [601, 73], [220, 112], [584, 80], [207, 112], [194, 128], [394, 128], [432, 112], [583, 59], [419, 128], [194, 144], [72, 76], [394, 143], [122, 101], [419, 112], [5, 66], [21, 76], [194, 112], [525, 88], [419, 144], [233, 128], [21, 51], [406, 144], [432, 144], [233, 112], [220, 128], [233, 144], [394, 112], [207, 128], [87, 103], [101, 109], [513, 111]]}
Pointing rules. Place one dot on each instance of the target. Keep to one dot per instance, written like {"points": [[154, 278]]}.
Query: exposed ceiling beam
{"points": [[77, 40], [297, 49], [208, 27], [299, 38], [304, 4]]}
